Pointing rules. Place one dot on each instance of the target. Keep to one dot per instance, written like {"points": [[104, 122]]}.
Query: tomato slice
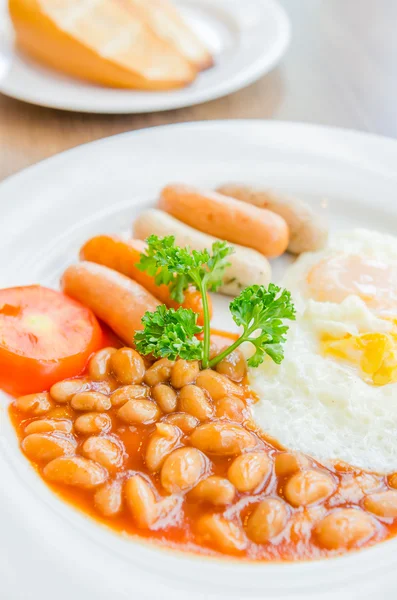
{"points": [[44, 337]]}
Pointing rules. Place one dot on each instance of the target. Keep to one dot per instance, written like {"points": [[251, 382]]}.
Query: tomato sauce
{"points": [[297, 541]]}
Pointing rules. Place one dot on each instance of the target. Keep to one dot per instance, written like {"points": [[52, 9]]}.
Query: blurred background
{"points": [[339, 70]]}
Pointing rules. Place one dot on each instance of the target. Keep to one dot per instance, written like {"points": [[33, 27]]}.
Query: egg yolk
{"points": [[375, 354], [335, 278]]}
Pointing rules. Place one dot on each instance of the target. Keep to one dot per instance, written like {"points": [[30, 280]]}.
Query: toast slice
{"points": [[99, 40], [166, 22]]}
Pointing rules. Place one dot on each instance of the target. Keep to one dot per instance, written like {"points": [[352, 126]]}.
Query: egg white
{"points": [[314, 403]]}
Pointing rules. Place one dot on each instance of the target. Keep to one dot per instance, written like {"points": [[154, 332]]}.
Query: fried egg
{"points": [[334, 396], [358, 263]]}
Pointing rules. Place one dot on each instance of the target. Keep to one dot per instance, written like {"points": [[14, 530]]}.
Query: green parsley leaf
{"points": [[154, 262], [179, 267], [263, 309], [170, 333], [217, 264], [261, 312]]}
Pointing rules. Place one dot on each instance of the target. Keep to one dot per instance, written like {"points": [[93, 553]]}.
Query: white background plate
{"points": [[47, 549], [247, 38]]}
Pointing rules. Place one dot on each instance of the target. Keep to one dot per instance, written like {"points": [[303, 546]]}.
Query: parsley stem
{"points": [[207, 325], [227, 351]]}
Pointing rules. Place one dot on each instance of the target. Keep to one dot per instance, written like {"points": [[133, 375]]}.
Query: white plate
{"points": [[247, 38], [47, 549]]}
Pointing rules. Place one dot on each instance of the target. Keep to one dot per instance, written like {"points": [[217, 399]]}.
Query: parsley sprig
{"points": [[260, 311], [180, 267]]}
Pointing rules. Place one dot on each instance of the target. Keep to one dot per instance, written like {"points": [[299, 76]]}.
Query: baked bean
{"points": [[107, 386], [104, 451], [141, 501], [46, 425], [93, 422], [344, 528], [143, 505], [98, 367], [354, 486], [43, 447], [159, 372], [108, 498], [90, 401], [165, 397], [161, 444], [224, 535], [63, 391], [233, 366], [75, 471], [182, 469], [307, 487], [288, 463], [194, 401], [127, 366], [392, 480], [268, 520], [383, 504], [139, 411], [165, 508], [184, 372], [231, 408], [184, 421], [218, 386], [248, 471], [222, 438], [34, 404], [128, 392], [214, 490], [61, 412]]}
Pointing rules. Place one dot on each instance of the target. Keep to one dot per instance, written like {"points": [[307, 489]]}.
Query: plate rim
{"points": [[281, 127]]}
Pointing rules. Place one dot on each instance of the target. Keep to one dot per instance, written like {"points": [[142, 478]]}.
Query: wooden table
{"points": [[341, 70]]}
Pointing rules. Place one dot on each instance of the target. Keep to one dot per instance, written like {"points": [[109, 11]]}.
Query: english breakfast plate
{"points": [[246, 39], [50, 210]]}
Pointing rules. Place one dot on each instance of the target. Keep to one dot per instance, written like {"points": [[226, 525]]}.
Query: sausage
{"points": [[117, 300], [226, 218], [308, 231], [123, 256], [247, 267]]}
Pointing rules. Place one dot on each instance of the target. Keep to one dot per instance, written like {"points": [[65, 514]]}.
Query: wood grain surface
{"points": [[340, 70]]}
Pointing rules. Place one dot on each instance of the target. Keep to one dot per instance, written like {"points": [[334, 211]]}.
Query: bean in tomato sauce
{"points": [[167, 452]]}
